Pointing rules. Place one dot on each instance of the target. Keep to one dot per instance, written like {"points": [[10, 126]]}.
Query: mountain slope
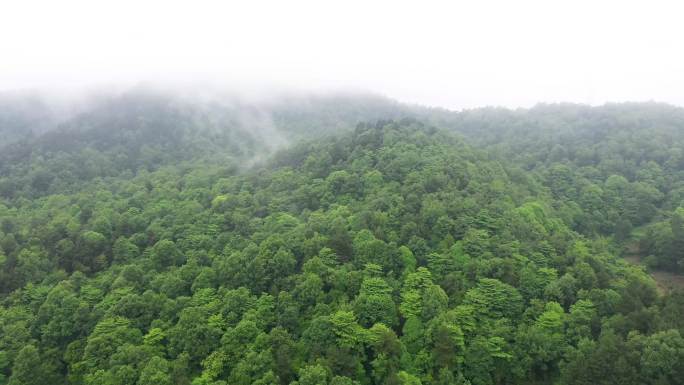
{"points": [[146, 129], [392, 253], [615, 168]]}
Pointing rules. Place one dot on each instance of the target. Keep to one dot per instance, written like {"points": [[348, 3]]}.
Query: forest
{"points": [[343, 239]]}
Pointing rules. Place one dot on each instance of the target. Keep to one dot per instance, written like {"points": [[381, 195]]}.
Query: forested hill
{"points": [[615, 170], [618, 169], [145, 129], [377, 244]]}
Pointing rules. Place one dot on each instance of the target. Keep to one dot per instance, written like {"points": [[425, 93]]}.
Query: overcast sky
{"points": [[454, 54]]}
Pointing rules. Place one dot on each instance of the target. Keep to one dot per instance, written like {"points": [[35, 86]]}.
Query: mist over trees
{"points": [[155, 238]]}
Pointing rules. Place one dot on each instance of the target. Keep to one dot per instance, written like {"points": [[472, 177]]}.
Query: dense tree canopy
{"points": [[481, 247]]}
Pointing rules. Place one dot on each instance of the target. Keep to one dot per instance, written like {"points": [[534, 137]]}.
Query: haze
{"points": [[449, 54]]}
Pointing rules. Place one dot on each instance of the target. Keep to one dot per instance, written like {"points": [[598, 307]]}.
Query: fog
{"points": [[449, 54]]}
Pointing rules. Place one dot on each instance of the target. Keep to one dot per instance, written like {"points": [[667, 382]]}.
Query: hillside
{"points": [[145, 129], [341, 240], [611, 169]]}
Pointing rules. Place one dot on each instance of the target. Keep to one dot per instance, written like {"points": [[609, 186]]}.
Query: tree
{"points": [[368, 249], [408, 379], [493, 299], [30, 368], [662, 360], [375, 304], [420, 297], [165, 253], [349, 333], [110, 335], [124, 250], [156, 372], [581, 321], [312, 375], [62, 315], [541, 345]]}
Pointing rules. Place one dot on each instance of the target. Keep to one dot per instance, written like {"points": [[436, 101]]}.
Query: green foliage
{"points": [[30, 368], [493, 299], [393, 253]]}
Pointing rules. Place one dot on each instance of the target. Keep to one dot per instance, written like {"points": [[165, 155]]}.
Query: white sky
{"points": [[448, 53]]}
